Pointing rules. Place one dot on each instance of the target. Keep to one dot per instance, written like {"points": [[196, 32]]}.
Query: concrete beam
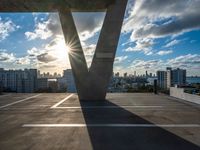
{"points": [[53, 5]]}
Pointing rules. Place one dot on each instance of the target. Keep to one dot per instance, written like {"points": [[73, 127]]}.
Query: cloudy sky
{"points": [[155, 35]]}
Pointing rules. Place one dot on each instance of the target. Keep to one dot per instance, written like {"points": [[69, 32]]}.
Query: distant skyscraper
{"points": [[55, 74], [134, 73], [146, 73], [68, 75], [162, 79], [150, 75], [178, 77], [125, 75], [171, 77], [38, 74], [117, 74]]}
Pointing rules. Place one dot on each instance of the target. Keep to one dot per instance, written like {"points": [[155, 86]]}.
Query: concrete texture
{"points": [[179, 93], [92, 83], [124, 121], [53, 5]]}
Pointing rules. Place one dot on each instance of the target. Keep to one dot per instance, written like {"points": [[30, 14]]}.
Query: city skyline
{"points": [[47, 74], [149, 40]]}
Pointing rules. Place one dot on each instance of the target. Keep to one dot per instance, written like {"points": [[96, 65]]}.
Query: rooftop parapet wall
{"points": [[179, 93]]}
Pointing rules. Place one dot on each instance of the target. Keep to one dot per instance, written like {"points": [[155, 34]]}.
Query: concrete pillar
{"points": [[92, 83]]}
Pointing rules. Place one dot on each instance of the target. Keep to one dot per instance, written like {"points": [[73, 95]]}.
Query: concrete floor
{"points": [[125, 121]]}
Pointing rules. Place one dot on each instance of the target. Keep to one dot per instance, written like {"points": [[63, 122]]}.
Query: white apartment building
{"points": [[21, 81]]}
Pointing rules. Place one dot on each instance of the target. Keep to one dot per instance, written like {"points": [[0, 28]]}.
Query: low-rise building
{"points": [[68, 76], [42, 84]]}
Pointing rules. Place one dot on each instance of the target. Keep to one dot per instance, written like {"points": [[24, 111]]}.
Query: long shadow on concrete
{"points": [[125, 138]]}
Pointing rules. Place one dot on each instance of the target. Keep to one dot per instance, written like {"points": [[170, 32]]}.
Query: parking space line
{"points": [[5, 95], [54, 106], [20, 101], [117, 125], [96, 107]]}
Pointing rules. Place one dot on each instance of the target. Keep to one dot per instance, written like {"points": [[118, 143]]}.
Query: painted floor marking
{"points": [[96, 107], [55, 106], [5, 95], [116, 125], [25, 99]]}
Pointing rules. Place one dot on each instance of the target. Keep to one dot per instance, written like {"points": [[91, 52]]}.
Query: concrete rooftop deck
{"points": [[125, 121]]}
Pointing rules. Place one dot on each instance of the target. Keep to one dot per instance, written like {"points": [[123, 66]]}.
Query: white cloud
{"points": [[6, 27], [45, 28], [152, 19], [146, 51], [46, 58], [149, 64], [190, 62], [41, 31], [132, 49], [88, 24], [164, 52], [52, 56], [169, 12], [89, 51], [23, 61], [120, 59], [187, 61], [142, 45], [34, 52], [5, 56], [172, 43]]}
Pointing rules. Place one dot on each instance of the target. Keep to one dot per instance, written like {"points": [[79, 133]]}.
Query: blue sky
{"points": [[154, 35]]}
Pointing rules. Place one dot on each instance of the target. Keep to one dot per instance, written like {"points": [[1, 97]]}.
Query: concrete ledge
{"points": [[104, 55], [179, 93]]}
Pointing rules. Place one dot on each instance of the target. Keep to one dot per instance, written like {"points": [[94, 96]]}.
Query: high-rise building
{"points": [[162, 79], [117, 74], [151, 75], [38, 74], [21, 81], [134, 73], [178, 77], [68, 75], [171, 77], [146, 73], [125, 75]]}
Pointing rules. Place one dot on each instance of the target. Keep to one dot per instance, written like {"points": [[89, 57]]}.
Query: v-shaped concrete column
{"points": [[92, 83]]}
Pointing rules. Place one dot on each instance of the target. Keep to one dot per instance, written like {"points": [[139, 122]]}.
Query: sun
{"points": [[67, 48], [62, 50]]}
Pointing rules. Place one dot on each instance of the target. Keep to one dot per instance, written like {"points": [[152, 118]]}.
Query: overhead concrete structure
{"points": [[91, 83]]}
